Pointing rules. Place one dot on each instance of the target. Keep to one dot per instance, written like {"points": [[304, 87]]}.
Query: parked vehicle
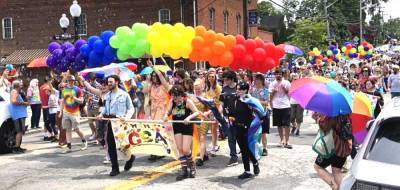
{"points": [[7, 134], [377, 164]]}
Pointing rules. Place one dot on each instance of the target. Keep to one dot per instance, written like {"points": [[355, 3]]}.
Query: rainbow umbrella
{"points": [[291, 49], [362, 113], [321, 95]]}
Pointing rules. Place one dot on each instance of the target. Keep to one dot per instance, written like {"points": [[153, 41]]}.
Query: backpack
{"points": [[342, 136], [323, 144]]}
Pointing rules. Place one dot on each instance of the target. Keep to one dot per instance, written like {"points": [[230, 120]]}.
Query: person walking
{"points": [[394, 82], [44, 99], [34, 100], [280, 103], [18, 109], [53, 108], [72, 96], [296, 112], [118, 104], [182, 108]]}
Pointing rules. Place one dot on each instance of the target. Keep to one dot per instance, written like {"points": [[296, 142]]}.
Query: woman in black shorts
{"points": [[182, 108]]}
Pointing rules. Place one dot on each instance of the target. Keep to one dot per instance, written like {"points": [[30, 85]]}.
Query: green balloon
{"points": [[136, 53], [125, 48], [122, 56], [122, 30], [115, 42], [141, 29], [143, 46]]}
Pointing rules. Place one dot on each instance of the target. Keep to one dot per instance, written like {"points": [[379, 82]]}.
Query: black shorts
{"points": [[19, 125], [183, 129], [281, 117], [333, 161], [265, 125]]}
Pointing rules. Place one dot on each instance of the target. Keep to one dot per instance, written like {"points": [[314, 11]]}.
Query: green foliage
{"points": [[308, 34], [392, 27]]}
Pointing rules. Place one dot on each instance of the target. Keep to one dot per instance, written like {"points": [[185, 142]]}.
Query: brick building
{"points": [[31, 25]]}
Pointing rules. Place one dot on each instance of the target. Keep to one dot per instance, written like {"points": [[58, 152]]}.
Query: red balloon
{"points": [[259, 54], [235, 65], [132, 67], [239, 51], [269, 63], [279, 52], [277, 62], [259, 43], [269, 49], [248, 61], [349, 46], [250, 45], [240, 39], [12, 72]]}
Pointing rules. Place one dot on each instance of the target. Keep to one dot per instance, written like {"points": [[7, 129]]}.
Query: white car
{"points": [[377, 164]]}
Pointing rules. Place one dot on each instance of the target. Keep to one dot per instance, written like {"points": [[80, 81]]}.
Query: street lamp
{"points": [[75, 11], [64, 23]]}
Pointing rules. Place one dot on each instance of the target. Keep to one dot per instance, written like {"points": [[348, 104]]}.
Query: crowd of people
{"points": [[63, 99]]}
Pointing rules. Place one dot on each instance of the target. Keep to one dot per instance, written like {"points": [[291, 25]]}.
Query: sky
{"points": [[391, 8]]}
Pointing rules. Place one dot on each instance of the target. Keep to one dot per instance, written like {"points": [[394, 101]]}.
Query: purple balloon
{"points": [[70, 53], [66, 45], [79, 63], [79, 43], [53, 46], [51, 62], [58, 53]]}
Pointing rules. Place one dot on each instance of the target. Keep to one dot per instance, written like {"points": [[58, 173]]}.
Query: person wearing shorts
{"points": [[296, 117], [182, 109], [71, 96], [280, 104], [18, 110]]}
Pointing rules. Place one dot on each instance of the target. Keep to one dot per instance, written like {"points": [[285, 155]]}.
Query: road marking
{"points": [[148, 176]]}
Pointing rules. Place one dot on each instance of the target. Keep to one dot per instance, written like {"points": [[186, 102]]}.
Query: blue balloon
{"points": [[335, 51], [346, 43], [98, 46], [366, 48], [85, 50], [110, 52], [92, 39], [106, 35], [95, 59], [100, 75], [107, 60]]}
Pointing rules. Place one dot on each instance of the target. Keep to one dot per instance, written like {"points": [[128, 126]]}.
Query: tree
{"points": [[392, 28], [265, 8], [309, 34]]}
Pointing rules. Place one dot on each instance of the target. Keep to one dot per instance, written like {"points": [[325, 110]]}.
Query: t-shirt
{"points": [[228, 97], [53, 98], [394, 80], [34, 94], [93, 100], [44, 98], [280, 100], [70, 105]]}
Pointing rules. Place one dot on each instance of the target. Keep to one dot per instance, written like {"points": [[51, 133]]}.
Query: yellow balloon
{"points": [[179, 27], [155, 52], [353, 50]]}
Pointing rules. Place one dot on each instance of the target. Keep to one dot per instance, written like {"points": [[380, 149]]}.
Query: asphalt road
{"points": [[45, 167]]}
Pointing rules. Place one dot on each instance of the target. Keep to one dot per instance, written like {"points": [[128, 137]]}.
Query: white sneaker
{"points": [[92, 138], [84, 145], [106, 162]]}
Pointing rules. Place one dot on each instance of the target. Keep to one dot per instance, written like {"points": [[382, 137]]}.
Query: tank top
{"points": [[18, 111], [180, 112]]}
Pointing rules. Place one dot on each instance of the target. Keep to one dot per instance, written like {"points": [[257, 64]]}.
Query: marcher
{"points": [[261, 92], [34, 100], [227, 98], [243, 116], [53, 109], [118, 104], [280, 104], [296, 112], [72, 96], [182, 109], [44, 99], [394, 82], [18, 110], [92, 105]]}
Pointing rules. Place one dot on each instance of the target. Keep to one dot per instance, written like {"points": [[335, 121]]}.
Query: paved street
{"points": [[45, 167]]}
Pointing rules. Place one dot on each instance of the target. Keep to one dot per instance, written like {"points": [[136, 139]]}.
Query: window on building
{"points": [[7, 28], [82, 25], [238, 23], [212, 19], [226, 15], [164, 16]]}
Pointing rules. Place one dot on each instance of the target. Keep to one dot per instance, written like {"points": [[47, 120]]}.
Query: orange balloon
{"points": [[209, 37], [226, 59], [206, 53], [218, 47], [219, 37], [200, 30], [194, 56], [318, 61], [198, 43], [229, 41], [215, 61]]}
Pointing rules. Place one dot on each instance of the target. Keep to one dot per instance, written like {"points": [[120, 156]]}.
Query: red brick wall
{"points": [[35, 22], [266, 36]]}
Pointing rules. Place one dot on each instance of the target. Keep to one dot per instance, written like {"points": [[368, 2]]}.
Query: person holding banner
{"points": [[371, 90], [182, 108], [118, 104]]}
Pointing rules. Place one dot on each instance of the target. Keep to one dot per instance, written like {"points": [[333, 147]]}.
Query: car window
{"points": [[386, 144]]}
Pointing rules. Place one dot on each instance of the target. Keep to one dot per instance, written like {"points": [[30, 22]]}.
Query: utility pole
{"points": [[245, 20], [327, 22], [361, 27]]}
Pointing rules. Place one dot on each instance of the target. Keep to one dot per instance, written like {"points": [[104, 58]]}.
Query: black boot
{"points": [[191, 167], [128, 164], [184, 170], [114, 172]]}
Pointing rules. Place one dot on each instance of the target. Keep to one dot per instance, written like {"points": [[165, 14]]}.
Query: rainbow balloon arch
{"points": [[176, 41]]}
